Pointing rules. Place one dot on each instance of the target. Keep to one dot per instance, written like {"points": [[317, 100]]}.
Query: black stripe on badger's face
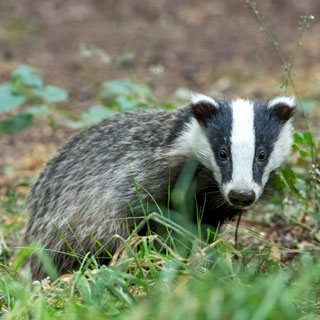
{"points": [[207, 136], [273, 138], [267, 128], [218, 130]]}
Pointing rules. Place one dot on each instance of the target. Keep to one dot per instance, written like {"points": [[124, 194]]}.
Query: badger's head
{"points": [[241, 142]]}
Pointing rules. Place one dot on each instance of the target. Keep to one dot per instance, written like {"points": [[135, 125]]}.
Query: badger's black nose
{"points": [[241, 198]]}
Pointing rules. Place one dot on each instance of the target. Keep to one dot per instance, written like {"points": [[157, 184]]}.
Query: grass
{"points": [[147, 279]]}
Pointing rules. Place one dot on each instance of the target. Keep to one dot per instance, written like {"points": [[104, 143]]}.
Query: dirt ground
{"points": [[210, 46]]}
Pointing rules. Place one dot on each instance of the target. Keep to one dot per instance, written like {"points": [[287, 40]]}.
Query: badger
{"points": [[88, 190]]}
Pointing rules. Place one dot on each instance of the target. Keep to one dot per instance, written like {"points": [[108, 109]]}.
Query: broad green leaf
{"points": [[15, 123], [73, 124], [142, 90], [96, 114], [303, 153], [51, 94], [125, 87], [303, 137], [26, 75], [126, 103], [278, 183], [8, 99], [308, 138], [291, 178], [38, 110], [289, 174], [115, 88], [298, 137]]}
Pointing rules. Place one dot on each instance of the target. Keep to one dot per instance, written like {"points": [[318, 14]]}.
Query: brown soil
{"points": [[210, 46]]}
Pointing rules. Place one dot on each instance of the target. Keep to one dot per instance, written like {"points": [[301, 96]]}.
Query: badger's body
{"points": [[86, 191]]}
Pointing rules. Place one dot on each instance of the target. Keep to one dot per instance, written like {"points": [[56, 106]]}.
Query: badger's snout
{"points": [[241, 197]]}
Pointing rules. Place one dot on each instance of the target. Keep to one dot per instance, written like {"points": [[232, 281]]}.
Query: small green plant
{"points": [[24, 97], [302, 179], [118, 96]]}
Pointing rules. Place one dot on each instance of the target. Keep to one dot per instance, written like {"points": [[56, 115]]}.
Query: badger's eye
{"points": [[223, 155], [262, 155]]}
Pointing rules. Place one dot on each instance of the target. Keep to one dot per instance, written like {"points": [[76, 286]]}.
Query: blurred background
{"points": [[209, 46]]}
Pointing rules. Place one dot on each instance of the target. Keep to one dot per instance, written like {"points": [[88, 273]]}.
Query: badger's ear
{"points": [[284, 108], [203, 108]]}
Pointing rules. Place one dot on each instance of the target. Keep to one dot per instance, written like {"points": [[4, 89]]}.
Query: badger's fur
{"points": [[86, 191]]}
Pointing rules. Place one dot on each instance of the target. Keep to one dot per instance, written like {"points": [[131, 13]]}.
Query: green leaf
{"points": [[16, 123], [303, 153], [291, 178], [38, 110], [308, 138], [8, 99], [289, 174], [26, 75], [127, 88], [125, 103], [114, 88], [278, 183], [73, 124], [141, 90], [51, 94], [96, 114], [298, 137]]}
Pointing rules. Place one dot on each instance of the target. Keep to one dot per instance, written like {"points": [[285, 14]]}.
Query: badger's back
{"points": [[87, 189]]}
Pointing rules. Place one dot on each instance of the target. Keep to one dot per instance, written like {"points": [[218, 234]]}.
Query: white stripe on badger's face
{"points": [[242, 149], [280, 151]]}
